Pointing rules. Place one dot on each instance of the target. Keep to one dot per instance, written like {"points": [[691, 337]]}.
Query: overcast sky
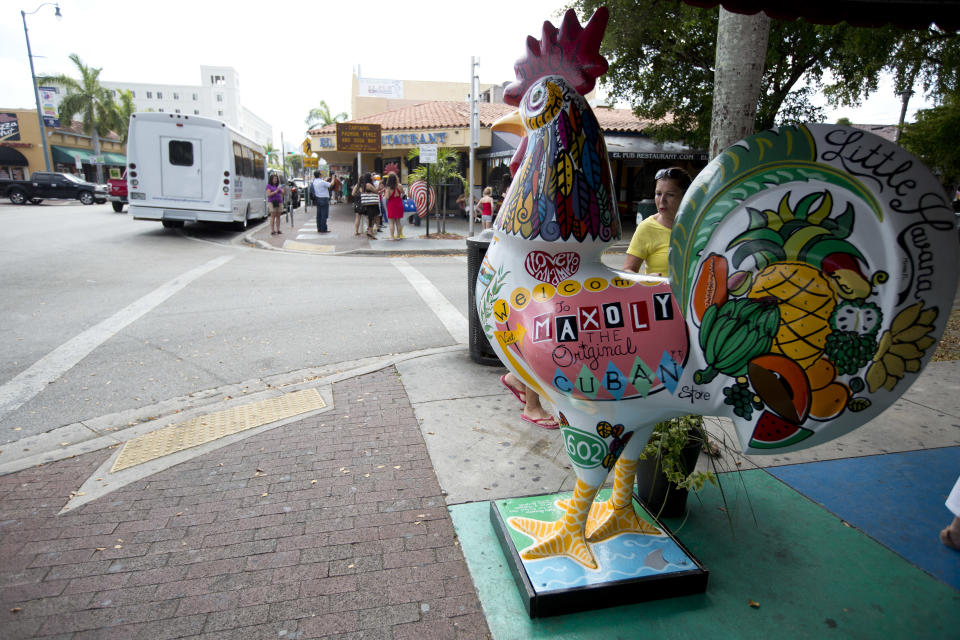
{"points": [[291, 54]]}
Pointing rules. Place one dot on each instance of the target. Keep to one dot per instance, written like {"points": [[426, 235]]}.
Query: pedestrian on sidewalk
{"points": [[950, 536], [369, 206], [275, 203], [650, 244], [335, 187], [533, 411], [485, 207], [321, 197], [394, 199]]}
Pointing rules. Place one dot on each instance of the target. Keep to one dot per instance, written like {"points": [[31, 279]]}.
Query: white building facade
{"points": [[218, 96]]}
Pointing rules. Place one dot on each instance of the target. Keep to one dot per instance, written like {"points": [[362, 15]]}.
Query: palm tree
{"points": [[320, 116], [123, 110], [272, 153], [88, 98]]}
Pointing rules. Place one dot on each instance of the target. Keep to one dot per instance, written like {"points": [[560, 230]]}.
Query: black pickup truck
{"points": [[52, 186]]}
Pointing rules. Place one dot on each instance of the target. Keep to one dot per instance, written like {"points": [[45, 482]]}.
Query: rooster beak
{"points": [[511, 123]]}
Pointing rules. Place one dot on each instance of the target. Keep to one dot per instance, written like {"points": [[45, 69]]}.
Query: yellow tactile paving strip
{"points": [[306, 246], [214, 426]]}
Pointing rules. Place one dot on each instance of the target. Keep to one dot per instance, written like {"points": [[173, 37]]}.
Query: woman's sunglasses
{"points": [[672, 173]]}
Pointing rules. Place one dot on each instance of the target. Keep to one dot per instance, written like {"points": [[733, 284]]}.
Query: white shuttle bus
{"points": [[188, 168]]}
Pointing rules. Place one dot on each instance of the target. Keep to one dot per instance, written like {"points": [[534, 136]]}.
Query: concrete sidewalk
{"points": [[299, 233], [368, 520]]}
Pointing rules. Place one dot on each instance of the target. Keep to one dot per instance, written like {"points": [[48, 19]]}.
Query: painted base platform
{"points": [[633, 567]]}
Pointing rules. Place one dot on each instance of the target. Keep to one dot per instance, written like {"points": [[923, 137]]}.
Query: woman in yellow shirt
{"points": [[650, 244]]}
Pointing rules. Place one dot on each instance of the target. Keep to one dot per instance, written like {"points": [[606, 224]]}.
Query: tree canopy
{"points": [[123, 109], [88, 98], [321, 116], [933, 137], [662, 57]]}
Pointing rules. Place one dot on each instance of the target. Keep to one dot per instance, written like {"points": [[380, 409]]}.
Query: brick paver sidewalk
{"points": [[333, 526]]}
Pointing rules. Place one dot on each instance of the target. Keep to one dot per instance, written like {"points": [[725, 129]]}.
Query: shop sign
{"points": [[354, 136], [428, 153], [414, 139], [374, 88], [9, 127], [652, 155]]}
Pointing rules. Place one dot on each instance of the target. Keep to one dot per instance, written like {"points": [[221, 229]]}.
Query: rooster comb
{"points": [[571, 51]]}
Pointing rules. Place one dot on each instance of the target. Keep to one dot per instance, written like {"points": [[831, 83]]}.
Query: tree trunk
{"points": [[741, 51], [96, 152]]}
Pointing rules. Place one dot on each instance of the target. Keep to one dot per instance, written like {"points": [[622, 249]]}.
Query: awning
{"points": [[68, 155], [10, 157], [644, 148], [502, 145]]}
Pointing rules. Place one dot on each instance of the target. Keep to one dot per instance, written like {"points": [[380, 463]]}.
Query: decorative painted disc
{"points": [[815, 266]]}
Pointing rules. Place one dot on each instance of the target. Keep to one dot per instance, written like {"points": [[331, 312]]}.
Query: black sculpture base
{"points": [[633, 567]]}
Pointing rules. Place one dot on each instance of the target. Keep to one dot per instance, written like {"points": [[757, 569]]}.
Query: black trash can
{"points": [[480, 350]]}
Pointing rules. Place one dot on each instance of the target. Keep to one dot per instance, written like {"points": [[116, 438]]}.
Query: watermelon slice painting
{"points": [[773, 432]]}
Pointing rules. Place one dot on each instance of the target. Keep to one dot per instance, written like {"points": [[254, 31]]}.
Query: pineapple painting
{"points": [[805, 264]]}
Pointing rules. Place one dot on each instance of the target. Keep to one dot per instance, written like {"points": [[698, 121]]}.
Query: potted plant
{"points": [[667, 471]]}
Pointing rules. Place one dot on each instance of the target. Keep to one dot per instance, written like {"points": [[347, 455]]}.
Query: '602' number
{"points": [[585, 449]]}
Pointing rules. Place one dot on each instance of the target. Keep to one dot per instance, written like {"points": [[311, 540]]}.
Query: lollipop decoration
{"points": [[423, 197]]}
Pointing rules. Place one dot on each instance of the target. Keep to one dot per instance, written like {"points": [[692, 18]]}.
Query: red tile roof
{"points": [[443, 115]]}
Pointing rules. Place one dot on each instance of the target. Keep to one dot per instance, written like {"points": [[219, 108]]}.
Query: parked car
{"points": [[118, 192], [44, 185]]}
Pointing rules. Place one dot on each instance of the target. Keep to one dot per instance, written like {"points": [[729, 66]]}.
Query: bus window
{"points": [[247, 161], [237, 159], [257, 165], [181, 153]]}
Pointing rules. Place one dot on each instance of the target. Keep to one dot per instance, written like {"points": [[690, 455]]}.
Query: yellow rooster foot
{"points": [[606, 521], [553, 539]]}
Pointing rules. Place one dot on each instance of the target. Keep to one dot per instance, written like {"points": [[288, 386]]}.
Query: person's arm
{"points": [[632, 263]]}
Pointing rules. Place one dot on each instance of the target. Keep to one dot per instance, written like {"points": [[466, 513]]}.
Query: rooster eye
{"points": [[542, 103], [536, 97]]}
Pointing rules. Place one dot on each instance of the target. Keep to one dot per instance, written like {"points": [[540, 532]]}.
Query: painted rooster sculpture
{"points": [[803, 297]]}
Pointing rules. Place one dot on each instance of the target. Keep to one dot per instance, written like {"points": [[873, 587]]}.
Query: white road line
{"points": [[449, 315], [53, 365]]}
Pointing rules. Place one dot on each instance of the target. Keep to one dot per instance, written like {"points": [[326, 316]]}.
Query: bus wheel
{"points": [[241, 225], [172, 224]]}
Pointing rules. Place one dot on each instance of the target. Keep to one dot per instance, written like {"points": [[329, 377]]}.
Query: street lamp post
{"points": [[33, 78]]}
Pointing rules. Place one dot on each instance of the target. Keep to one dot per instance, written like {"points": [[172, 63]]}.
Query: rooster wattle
{"points": [[803, 289]]}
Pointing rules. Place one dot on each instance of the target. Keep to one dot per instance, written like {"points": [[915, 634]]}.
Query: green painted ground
{"points": [[813, 576]]}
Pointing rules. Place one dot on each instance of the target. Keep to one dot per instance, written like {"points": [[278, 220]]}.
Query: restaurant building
{"points": [[634, 156], [71, 150]]}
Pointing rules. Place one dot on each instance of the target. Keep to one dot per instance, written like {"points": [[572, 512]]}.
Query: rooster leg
{"points": [[616, 515], [564, 537]]}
